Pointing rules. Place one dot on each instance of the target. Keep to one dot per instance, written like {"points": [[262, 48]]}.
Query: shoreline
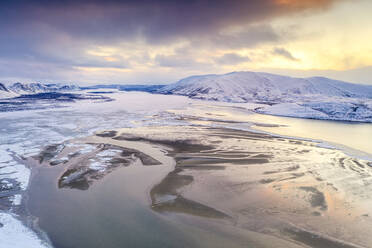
{"points": [[322, 238], [169, 199], [268, 126], [211, 122]]}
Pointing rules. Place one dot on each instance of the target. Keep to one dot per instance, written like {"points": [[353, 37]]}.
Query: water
{"points": [[355, 138], [112, 213], [115, 211]]}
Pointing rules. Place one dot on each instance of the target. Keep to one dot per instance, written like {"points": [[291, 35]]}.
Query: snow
{"points": [[27, 88], [98, 166], [316, 97], [243, 86], [16, 171], [342, 110], [25, 133], [6, 94], [293, 110], [11, 169], [108, 153], [17, 199], [83, 148], [14, 234], [17, 89], [100, 162]]}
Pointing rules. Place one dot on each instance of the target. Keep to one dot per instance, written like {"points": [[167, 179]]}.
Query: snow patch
{"points": [[14, 234]]}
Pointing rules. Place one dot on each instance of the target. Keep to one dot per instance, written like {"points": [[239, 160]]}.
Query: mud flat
{"points": [[199, 186], [94, 192], [290, 189]]}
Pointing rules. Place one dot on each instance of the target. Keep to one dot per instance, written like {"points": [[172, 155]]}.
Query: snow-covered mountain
{"points": [[2, 87], [18, 89], [5, 93], [259, 86], [22, 88], [315, 97]]}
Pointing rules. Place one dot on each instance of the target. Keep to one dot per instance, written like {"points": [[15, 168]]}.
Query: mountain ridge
{"points": [[250, 86], [18, 89], [313, 97]]}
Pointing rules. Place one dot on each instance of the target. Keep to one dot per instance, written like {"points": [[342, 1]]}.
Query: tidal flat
{"points": [[200, 186], [196, 174]]}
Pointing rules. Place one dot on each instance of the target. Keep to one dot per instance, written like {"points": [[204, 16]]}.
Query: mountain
{"points": [[3, 88], [5, 93], [130, 87], [22, 88], [315, 97], [259, 86], [18, 89]]}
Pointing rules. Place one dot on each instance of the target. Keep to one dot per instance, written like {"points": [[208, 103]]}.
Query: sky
{"points": [[148, 42]]}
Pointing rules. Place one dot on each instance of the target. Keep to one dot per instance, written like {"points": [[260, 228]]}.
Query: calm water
{"points": [[353, 137], [115, 212]]}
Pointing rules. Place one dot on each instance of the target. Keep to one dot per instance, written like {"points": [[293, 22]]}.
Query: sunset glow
{"points": [[130, 42]]}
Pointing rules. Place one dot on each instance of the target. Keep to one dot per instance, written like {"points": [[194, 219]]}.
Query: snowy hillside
{"points": [[258, 86], [316, 97], [17, 89], [5, 93]]}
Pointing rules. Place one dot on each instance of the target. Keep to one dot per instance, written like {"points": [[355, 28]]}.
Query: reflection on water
{"points": [[109, 215], [115, 212], [351, 135], [354, 137]]}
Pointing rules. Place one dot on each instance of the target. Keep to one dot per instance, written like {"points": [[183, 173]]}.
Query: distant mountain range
{"points": [[315, 97], [36, 96], [152, 88], [17, 89]]}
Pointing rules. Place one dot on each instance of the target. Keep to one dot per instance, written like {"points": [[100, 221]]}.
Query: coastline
{"points": [[231, 177], [197, 121], [318, 198]]}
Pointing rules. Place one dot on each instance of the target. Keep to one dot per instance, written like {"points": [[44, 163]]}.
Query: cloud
{"points": [[360, 75], [57, 33], [232, 59], [177, 61], [249, 36], [284, 53], [155, 21]]}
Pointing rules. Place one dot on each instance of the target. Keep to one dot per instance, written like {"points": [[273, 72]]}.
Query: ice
{"points": [[108, 153], [25, 133], [16, 171], [17, 199], [293, 110], [14, 234], [97, 165], [4, 156], [86, 148]]}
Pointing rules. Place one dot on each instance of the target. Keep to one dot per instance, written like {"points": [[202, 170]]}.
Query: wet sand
{"points": [[112, 209], [290, 189], [236, 188]]}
